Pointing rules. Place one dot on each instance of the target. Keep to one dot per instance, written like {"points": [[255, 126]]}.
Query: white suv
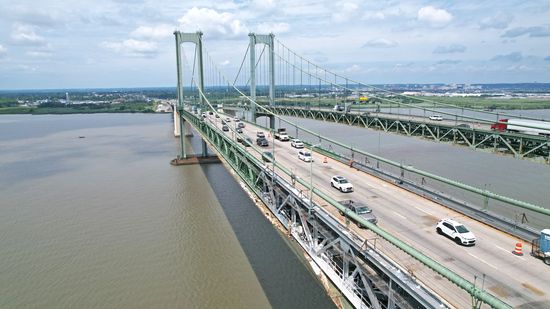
{"points": [[296, 143], [455, 230], [305, 156], [341, 184], [436, 117]]}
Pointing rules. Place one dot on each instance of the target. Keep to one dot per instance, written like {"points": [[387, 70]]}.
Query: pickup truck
{"points": [[281, 135]]}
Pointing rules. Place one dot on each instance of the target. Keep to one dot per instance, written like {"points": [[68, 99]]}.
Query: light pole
{"points": [[311, 174]]}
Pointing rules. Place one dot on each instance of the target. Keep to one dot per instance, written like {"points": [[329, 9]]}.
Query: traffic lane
{"points": [[493, 248], [466, 261], [462, 266], [407, 218], [445, 288]]}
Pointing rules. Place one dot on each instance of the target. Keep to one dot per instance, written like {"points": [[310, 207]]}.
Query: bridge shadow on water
{"points": [[283, 276]]}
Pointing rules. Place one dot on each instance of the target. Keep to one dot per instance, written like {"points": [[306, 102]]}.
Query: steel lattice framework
{"points": [[518, 145]]}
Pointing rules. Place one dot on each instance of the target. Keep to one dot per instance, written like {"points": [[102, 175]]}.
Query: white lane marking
{"points": [[400, 215], [510, 251], [475, 257], [422, 210]]}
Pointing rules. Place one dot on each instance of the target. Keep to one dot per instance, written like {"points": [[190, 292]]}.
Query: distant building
{"points": [[67, 101]]}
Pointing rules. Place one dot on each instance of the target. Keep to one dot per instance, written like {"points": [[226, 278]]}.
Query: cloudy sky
{"points": [[127, 43]]}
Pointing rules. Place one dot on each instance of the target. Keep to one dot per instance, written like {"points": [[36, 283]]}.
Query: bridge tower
{"points": [[179, 122], [267, 39]]}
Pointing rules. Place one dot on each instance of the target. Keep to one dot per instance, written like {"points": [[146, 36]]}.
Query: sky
{"points": [[130, 43]]}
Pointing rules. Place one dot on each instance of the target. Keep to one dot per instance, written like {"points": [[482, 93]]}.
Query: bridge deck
{"points": [[412, 218]]}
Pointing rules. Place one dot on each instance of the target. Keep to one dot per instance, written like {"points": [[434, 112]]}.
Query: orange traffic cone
{"points": [[518, 251], [325, 160]]}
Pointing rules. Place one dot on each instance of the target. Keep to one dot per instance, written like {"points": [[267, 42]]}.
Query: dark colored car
{"points": [[240, 125], [360, 209], [247, 142], [225, 128], [262, 142], [267, 156]]}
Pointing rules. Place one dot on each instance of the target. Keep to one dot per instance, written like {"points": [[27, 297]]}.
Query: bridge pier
{"points": [[177, 125]]}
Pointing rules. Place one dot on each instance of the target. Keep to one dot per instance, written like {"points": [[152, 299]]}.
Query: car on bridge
{"points": [[247, 142], [267, 156], [305, 156], [260, 134], [456, 231], [239, 130], [227, 119], [240, 125], [341, 183], [236, 119], [217, 115], [262, 142], [296, 143], [436, 117], [225, 128], [360, 209]]}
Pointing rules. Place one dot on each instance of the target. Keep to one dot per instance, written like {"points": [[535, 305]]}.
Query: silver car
{"points": [[359, 209]]}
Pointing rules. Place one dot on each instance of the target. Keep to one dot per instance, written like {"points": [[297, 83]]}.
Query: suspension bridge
{"points": [[400, 262]]}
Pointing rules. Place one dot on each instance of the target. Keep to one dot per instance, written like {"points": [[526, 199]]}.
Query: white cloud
{"points": [[154, 32], [352, 68], [224, 63], [533, 32], [39, 53], [27, 68], [511, 57], [498, 21], [132, 47], [453, 48], [434, 16], [276, 28], [263, 5], [3, 50], [380, 43], [345, 11], [26, 35], [212, 23]]}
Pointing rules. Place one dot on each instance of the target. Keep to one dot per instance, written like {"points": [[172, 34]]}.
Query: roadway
{"points": [[518, 280]]}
